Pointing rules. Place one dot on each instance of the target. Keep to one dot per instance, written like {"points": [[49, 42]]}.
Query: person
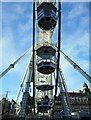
{"points": [[46, 100]]}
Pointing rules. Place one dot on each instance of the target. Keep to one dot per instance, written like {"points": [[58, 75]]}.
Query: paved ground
{"points": [[44, 119]]}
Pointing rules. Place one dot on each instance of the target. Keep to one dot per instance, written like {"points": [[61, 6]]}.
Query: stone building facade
{"points": [[79, 101]]}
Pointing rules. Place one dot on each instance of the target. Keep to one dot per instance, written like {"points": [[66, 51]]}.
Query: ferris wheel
{"points": [[44, 69]]}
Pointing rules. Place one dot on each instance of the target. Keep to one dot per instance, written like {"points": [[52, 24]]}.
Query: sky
{"points": [[16, 38]]}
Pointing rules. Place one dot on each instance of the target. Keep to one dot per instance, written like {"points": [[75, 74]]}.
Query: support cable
{"points": [[22, 113], [34, 55], [58, 59], [59, 40], [63, 91], [23, 79], [76, 67], [13, 64], [64, 98]]}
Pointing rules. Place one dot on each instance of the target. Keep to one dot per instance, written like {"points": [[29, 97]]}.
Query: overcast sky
{"points": [[17, 38]]}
